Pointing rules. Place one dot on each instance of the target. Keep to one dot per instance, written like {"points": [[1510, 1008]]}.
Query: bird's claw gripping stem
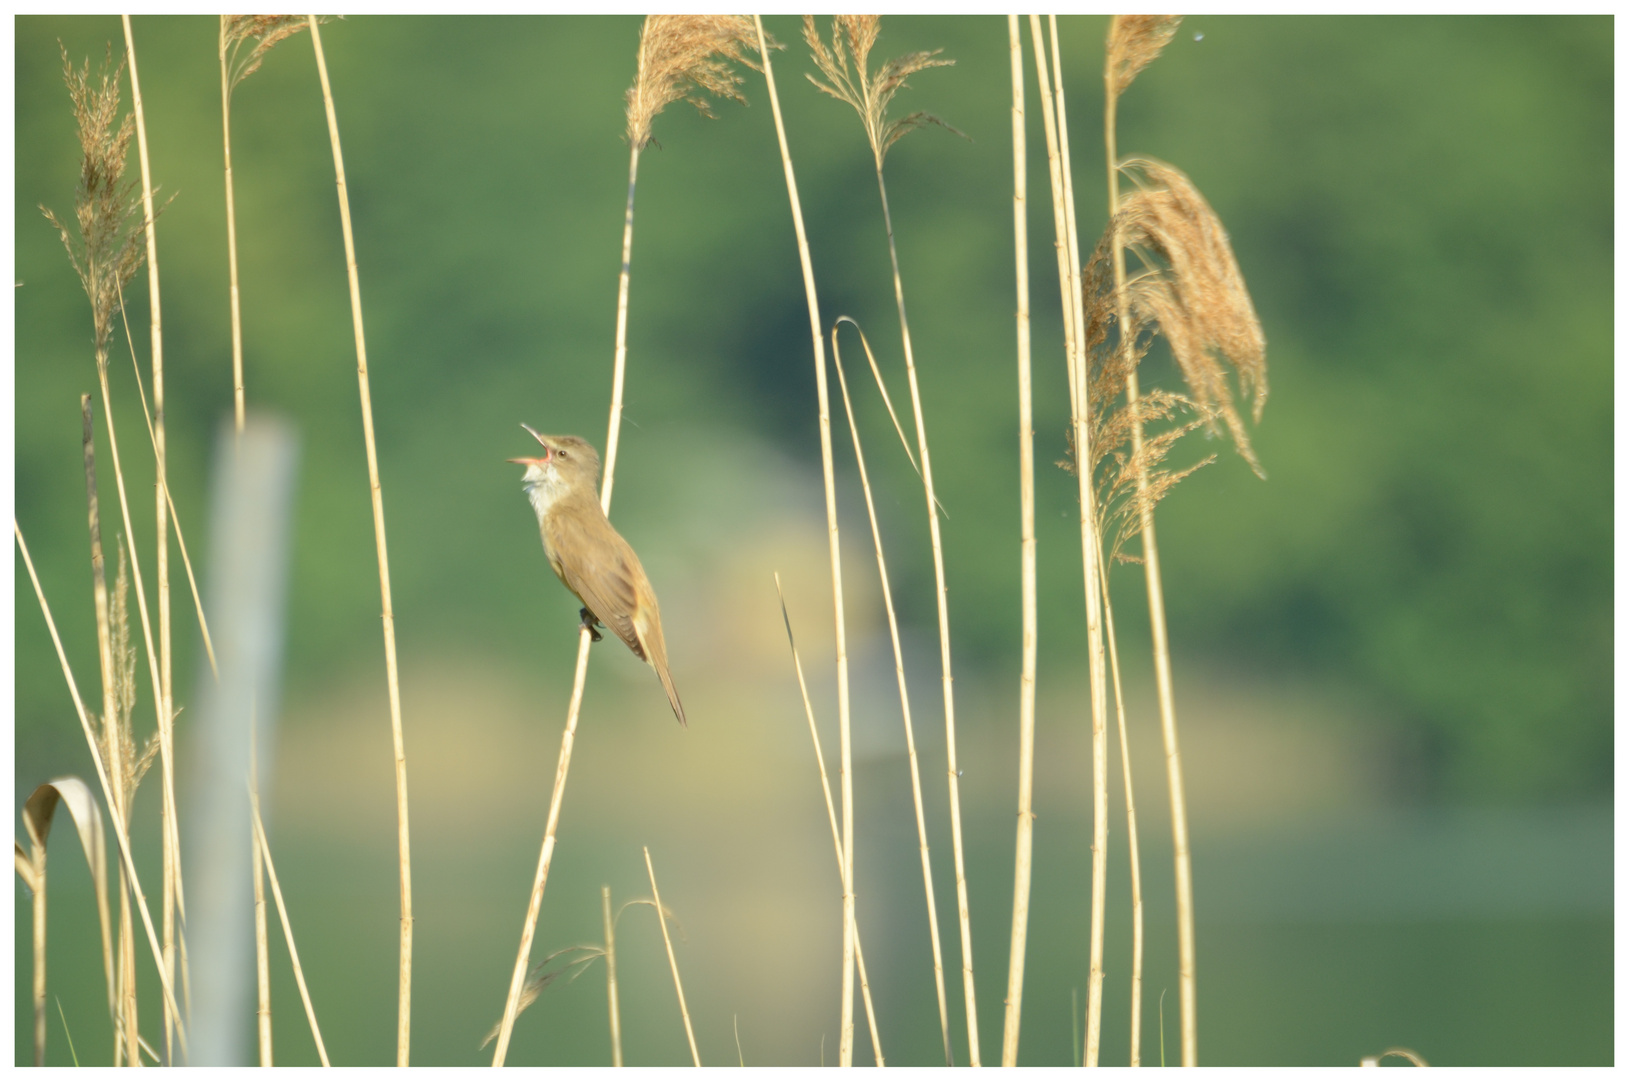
{"points": [[588, 622]]}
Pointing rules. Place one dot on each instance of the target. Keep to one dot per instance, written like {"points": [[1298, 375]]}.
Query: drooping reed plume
{"points": [[1190, 290], [680, 57], [845, 65]]}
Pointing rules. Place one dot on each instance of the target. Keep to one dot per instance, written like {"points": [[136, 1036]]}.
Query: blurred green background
{"points": [[1393, 658]]}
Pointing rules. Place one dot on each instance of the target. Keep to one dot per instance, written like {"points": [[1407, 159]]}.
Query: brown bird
{"points": [[589, 555]]}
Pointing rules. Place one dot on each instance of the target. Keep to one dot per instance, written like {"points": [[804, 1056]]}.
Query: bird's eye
{"points": [[563, 454]]}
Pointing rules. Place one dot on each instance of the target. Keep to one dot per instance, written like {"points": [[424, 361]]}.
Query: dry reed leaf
{"points": [[1133, 42], [264, 31], [869, 94], [1191, 291], [38, 812], [541, 978], [687, 57], [108, 207], [72, 792]]}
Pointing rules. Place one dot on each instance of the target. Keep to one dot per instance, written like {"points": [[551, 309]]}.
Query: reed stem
{"points": [[174, 901], [264, 849], [404, 845], [843, 716], [120, 831], [1023, 875], [511, 1006], [610, 977], [1185, 931], [672, 960], [830, 811]]}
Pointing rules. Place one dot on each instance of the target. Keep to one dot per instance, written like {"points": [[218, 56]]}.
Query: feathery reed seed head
{"points": [[119, 726], [869, 94], [687, 56], [108, 206], [1133, 42], [1191, 291], [265, 31]]}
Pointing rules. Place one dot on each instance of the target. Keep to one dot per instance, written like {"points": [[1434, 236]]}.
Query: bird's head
{"points": [[568, 464]]}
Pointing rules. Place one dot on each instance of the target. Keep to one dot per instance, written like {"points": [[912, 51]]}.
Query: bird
{"points": [[590, 556]]}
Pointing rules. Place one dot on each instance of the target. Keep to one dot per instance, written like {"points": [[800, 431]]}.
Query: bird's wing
{"points": [[601, 569]]}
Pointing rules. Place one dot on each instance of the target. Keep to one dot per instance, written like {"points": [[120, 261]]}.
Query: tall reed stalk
{"points": [[244, 42], [869, 94], [610, 977], [404, 846], [1023, 874], [121, 832], [903, 682], [815, 328], [1073, 332], [830, 812], [1192, 291], [174, 900], [679, 56], [672, 961]]}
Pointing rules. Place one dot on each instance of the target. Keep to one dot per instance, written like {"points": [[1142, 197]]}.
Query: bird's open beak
{"points": [[547, 450]]}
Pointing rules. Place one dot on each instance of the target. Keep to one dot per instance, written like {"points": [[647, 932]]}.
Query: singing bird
{"points": [[589, 555]]}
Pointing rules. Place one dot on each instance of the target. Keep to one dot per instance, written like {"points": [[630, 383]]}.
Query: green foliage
{"points": [[1422, 209]]}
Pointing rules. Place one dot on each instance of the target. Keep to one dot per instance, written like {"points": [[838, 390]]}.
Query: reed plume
{"points": [[112, 230], [684, 58]]}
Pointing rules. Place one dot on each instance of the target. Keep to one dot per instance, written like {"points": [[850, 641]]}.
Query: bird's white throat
{"points": [[543, 486]]}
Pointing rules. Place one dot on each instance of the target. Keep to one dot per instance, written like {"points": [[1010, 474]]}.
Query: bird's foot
{"points": [[588, 624]]}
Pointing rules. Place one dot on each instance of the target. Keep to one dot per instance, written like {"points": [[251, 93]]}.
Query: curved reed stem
{"points": [[403, 840], [814, 325]]}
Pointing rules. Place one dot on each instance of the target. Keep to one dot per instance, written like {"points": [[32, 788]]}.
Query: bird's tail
{"points": [[672, 692]]}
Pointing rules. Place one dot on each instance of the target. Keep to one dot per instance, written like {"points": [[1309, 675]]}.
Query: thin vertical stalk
{"points": [[963, 907], [610, 977], [264, 849], [262, 956], [511, 1006], [1185, 933], [830, 810], [180, 536], [1023, 875], [404, 997], [843, 717], [231, 229], [619, 368], [1137, 912], [35, 879], [1052, 100], [120, 831], [672, 960], [903, 691], [545, 860], [124, 1041], [262, 953], [164, 689]]}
